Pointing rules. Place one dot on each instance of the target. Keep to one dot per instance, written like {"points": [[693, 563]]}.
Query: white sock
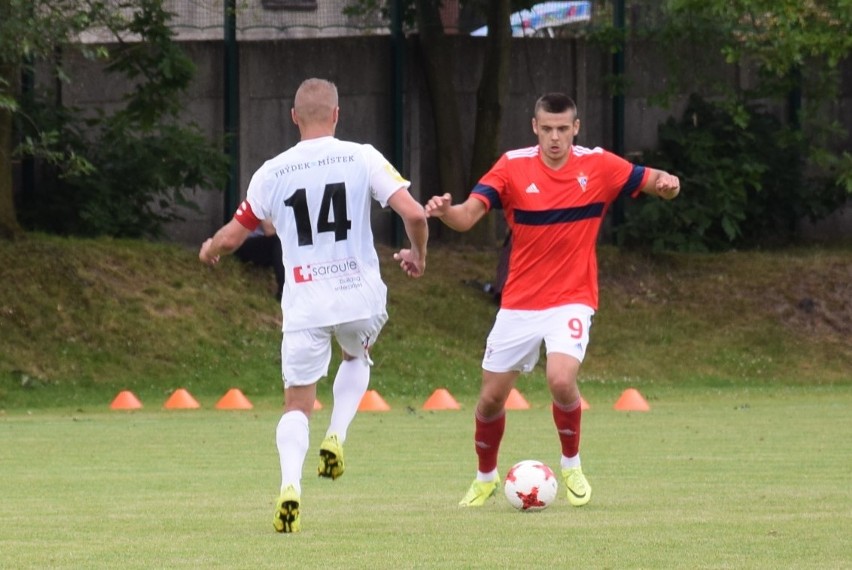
{"points": [[292, 437], [570, 462], [350, 384], [486, 477]]}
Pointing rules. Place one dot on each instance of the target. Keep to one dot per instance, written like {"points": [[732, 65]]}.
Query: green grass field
{"points": [[731, 478], [742, 462]]}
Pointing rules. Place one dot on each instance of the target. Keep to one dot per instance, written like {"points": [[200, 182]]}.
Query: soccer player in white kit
{"points": [[318, 196]]}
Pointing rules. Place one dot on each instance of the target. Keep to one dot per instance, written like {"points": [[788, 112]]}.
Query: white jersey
{"points": [[318, 195]]}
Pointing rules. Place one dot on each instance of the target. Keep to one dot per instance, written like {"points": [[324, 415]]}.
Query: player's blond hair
{"points": [[315, 100]]}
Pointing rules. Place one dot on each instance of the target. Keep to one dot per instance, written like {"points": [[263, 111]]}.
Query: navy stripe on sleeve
{"points": [[633, 180], [490, 194], [560, 216]]}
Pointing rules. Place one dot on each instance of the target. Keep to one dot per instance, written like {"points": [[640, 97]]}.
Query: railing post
{"points": [[231, 109]]}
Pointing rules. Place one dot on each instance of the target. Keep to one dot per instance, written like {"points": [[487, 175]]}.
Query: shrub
{"points": [[745, 181], [125, 173]]}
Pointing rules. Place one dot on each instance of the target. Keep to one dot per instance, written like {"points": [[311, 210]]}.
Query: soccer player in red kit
{"points": [[554, 197]]}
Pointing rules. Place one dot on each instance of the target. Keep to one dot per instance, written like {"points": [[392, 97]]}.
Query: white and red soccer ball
{"points": [[530, 486]]}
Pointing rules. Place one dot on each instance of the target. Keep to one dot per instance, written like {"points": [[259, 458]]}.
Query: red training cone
{"points": [[584, 405], [441, 399], [234, 399], [373, 402], [317, 405], [516, 401], [125, 400], [631, 401], [181, 400]]}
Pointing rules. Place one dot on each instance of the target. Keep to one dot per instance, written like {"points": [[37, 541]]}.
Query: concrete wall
{"points": [[270, 72]]}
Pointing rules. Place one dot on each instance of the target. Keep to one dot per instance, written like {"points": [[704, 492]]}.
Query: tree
{"points": [[797, 45], [492, 93], [9, 226], [10, 56], [755, 171], [439, 69], [493, 88], [92, 158], [30, 30]]}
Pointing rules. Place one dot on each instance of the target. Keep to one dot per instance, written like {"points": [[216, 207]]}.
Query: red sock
{"points": [[567, 420], [489, 434]]}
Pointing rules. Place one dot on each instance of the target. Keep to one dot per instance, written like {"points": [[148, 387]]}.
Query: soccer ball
{"points": [[530, 486]]}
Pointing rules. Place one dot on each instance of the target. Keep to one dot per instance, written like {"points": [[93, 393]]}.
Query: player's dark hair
{"points": [[555, 103]]}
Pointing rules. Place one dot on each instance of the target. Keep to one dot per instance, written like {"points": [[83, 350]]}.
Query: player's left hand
{"points": [[668, 186], [412, 264]]}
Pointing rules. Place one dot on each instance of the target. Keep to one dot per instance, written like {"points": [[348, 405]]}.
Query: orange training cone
{"points": [[317, 404], [631, 401], [584, 405], [441, 399], [234, 399], [516, 402], [181, 400], [372, 402], [125, 400]]}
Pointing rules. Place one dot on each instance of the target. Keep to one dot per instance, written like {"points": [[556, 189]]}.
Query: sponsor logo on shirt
{"points": [[532, 189], [327, 270]]}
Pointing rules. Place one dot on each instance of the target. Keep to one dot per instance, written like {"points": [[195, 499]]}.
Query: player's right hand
{"points": [[437, 206], [204, 253]]}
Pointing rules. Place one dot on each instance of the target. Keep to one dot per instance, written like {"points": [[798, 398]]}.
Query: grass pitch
{"points": [[728, 478], [743, 461]]}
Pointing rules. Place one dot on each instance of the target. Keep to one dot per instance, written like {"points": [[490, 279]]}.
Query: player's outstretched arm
{"points": [[413, 260], [460, 217], [661, 183], [229, 237]]}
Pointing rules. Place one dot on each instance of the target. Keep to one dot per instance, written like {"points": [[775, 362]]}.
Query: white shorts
{"points": [[306, 353], [515, 340]]}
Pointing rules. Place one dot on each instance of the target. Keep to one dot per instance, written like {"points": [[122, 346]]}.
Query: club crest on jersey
{"points": [[583, 180], [394, 173]]}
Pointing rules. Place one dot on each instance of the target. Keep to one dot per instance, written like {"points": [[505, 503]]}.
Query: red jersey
{"points": [[555, 217]]}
